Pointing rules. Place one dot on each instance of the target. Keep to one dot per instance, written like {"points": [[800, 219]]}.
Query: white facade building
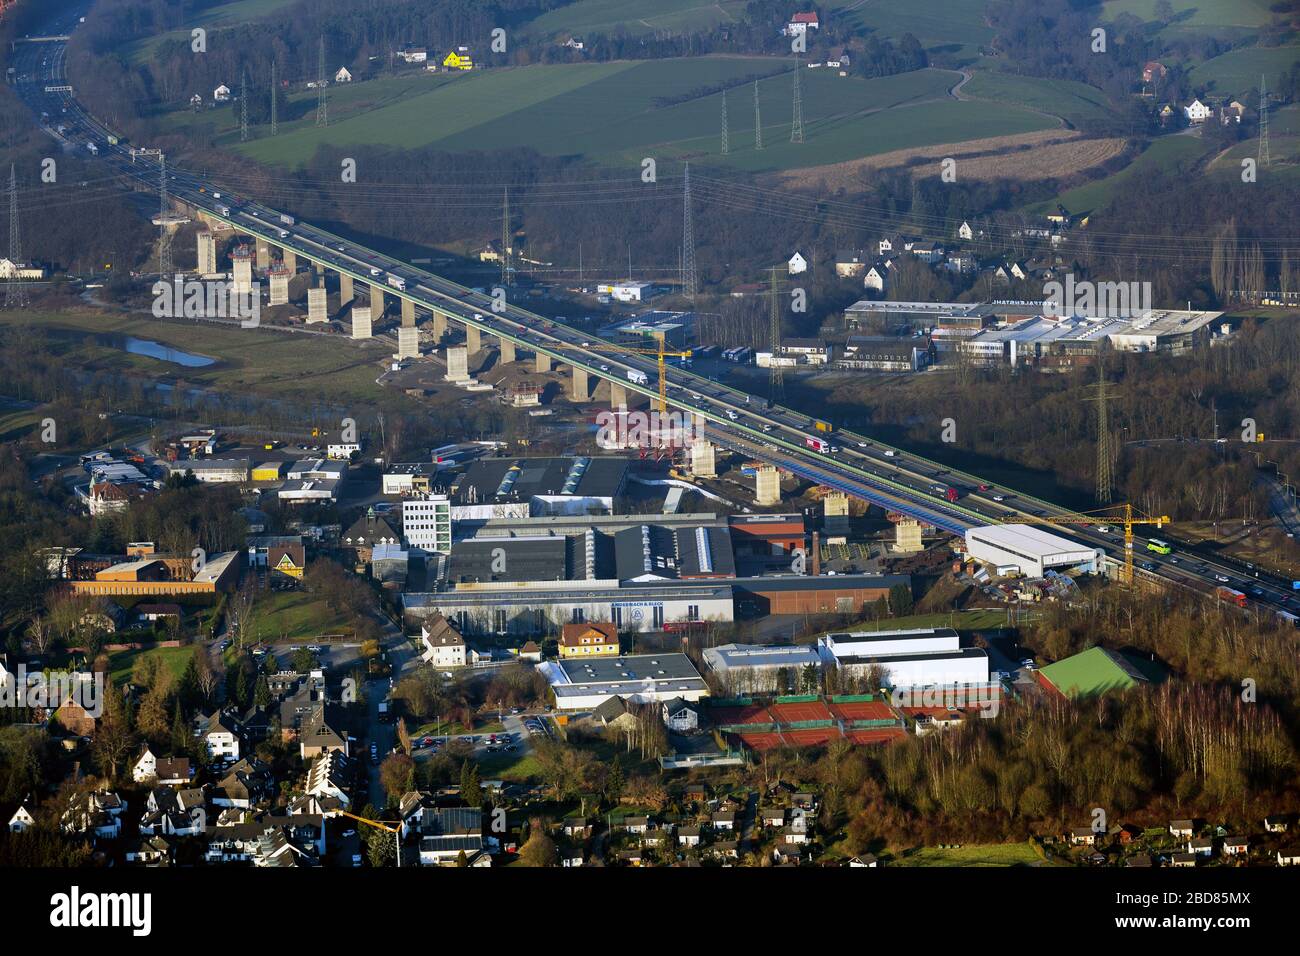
{"points": [[1029, 551], [917, 658], [426, 523]]}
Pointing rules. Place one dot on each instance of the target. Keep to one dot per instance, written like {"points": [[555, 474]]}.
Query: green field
{"points": [[951, 26], [634, 17], [990, 854], [1168, 152], [174, 659], [1237, 72], [294, 616], [1075, 102], [607, 112], [286, 364], [14, 424]]}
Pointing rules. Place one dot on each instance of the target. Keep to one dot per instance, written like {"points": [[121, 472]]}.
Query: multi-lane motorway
{"points": [[889, 477]]}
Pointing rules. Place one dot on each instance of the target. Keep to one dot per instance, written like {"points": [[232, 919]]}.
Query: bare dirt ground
{"points": [[1045, 154]]}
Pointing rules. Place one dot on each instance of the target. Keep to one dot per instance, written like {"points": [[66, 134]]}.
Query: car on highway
{"points": [[1222, 578], [890, 453]]}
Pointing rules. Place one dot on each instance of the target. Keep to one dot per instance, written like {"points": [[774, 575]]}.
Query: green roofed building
{"points": [[1095, 671]]}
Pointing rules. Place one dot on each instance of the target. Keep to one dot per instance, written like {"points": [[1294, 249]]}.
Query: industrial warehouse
{"points": [[1029, 551]]}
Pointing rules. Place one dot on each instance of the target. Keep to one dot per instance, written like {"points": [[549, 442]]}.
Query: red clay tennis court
{"points": [[801, 711], [760, 742], [862, 710]]}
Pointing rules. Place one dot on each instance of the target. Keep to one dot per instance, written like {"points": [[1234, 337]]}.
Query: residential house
{"points": [[1182, 828], [875, 278], [964, 231], [797, 264], [637, 824], [247, 784], [74, 718], [1196, 112], [800, 23], [96, 813], [927, 252], [613, 712], [839, 59], [772, 816], [681, 716], [688, 836], [319, 736], [576, 828], [448, 832], [1236, 846], [22, 820], [1183, 860], [366, 532], [221, 94], [1142, 860], [169, 771], [222, 736], [866, 859], [459, 60], [343, 75], [149, 851], [1277, 824], [723, 820], [531, 651], [575, 43], [174, 812], [444, 647], [1201, 846], [1153, 71], [851, 263], [590, 639], [1082, 836], [1289, 857], [328, 780]]}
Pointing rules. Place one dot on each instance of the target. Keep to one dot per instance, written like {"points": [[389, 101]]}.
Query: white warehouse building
{"points": [[916, 658], [1029, 551]]}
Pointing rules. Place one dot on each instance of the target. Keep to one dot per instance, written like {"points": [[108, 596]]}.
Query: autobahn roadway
{"points": [[891, 478]]}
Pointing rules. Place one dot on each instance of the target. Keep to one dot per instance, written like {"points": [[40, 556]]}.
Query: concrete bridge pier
{"points": [[543, 363], [361, 325], [376, 302], [473, 338], [581, 389], [507, 351], [617, 395], [346, 293]]}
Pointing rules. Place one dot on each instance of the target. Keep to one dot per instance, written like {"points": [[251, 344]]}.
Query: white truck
{"points": [[637, 376], [397, 282], [287, 219]]}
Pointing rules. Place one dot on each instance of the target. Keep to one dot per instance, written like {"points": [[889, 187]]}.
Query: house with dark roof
{"points": [[320, 736], [247, 784]]}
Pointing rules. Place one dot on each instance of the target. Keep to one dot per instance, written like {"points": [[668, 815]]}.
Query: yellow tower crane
{"points": [[660, 353], [1120, 514]]}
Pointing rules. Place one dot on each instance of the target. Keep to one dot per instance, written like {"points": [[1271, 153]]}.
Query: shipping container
{"points": [[821, 426]]}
